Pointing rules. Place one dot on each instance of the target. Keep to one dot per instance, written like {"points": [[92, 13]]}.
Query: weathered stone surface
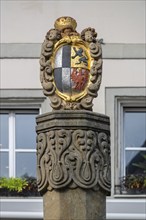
{"points": [[75, 204], [73, 150], [73, 164], [73, 144], [70, 119]]}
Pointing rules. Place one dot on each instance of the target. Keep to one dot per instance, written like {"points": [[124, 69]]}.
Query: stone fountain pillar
{"points": [[73, 143]]}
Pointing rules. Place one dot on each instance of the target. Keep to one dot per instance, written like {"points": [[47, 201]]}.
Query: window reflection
{"points": [[4, 164], [4, 130], [135, 162], [25, 164], [135, 128], [25, 131]]}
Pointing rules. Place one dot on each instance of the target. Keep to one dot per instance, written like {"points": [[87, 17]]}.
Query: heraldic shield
{"points": [[71, 71], [70, 65]]}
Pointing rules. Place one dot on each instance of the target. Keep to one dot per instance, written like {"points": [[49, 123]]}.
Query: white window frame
{"points": [[20, 99], [116, 99], [12, 150]]}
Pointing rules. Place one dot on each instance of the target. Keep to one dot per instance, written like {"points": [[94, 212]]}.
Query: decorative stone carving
{"points": [[69, 155], [75, 84], [73, 143]]}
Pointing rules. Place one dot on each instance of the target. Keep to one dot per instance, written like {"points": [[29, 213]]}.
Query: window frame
{"points": [[19, 100], [12, 150], [129, 109], [116, 99]]}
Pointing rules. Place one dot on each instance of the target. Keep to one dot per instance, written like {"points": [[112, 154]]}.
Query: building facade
{"points": [[122, 95]]}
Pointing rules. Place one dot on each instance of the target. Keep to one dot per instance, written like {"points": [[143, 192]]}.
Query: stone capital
{"points": [[73, 150]]}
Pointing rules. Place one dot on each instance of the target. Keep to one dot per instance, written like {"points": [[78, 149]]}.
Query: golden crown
{"points": [[65, 22]]}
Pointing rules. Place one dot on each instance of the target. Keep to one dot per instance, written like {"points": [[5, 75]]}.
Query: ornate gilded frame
{"points": [[56, 38]]}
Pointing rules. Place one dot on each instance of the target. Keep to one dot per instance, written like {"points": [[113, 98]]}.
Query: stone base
{"points": [[74, 204]]}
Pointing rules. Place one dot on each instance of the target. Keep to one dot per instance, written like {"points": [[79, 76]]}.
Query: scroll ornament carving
{"points": [[79, 158], [64, 33]]}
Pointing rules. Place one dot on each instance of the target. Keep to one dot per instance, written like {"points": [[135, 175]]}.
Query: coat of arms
{"points": [[71, 65]]}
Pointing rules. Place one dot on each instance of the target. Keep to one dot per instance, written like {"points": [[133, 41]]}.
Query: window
{"points": [[18, 142], [134, 140], [126, 108], [19, 108]]}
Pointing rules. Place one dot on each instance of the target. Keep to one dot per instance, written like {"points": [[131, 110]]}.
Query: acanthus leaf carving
{"points": [[41, 162], [104, 146], [77, 158], [58, 142]]}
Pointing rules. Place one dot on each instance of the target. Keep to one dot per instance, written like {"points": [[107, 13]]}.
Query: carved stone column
{"points": [[73, 164], [73, 143]]}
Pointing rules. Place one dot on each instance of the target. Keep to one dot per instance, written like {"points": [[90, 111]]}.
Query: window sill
{"points": [[22, 207], [130, 196], [32, 208]]}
